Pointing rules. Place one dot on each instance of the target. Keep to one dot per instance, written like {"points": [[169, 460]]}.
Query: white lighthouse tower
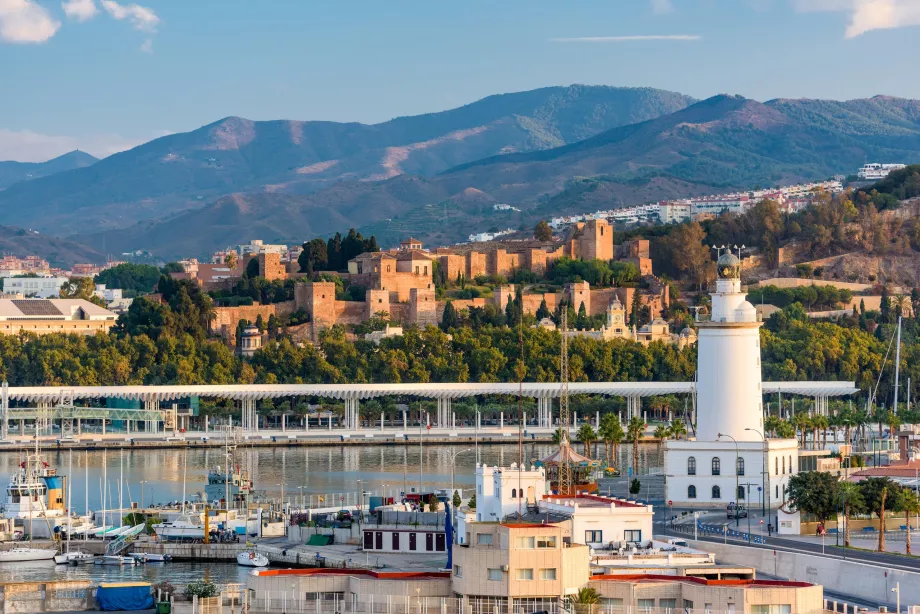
{"points": [[728, 361], [729, 460]]}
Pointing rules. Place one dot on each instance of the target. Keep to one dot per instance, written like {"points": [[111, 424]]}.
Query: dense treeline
{"points": [[833, 224], [334, 254]]}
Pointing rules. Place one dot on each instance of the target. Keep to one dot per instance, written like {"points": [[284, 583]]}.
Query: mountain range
{"points": [[546, 152], [13, 172]]}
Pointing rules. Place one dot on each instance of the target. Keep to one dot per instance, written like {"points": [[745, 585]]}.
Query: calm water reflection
{"points": [[308, 469]]}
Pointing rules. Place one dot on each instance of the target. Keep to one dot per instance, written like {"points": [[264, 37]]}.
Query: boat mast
{"points": [[184, 473], [86, 492], [121, 479], [67, 485], [105, 478]]}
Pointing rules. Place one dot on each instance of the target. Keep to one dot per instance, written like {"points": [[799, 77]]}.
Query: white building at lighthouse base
{"points": [[705, 473]]}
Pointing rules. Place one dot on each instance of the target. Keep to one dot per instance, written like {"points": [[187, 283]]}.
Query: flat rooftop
{"points": [[585, 500]]}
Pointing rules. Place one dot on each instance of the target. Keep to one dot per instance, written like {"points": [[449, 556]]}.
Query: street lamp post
{"points": [[453, 463], [765, 479], [721, 435]]}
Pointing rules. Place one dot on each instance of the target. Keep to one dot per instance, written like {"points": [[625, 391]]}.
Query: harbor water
{"points": [[303, 474]]}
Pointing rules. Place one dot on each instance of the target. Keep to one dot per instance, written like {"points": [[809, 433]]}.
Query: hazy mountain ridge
{"points": [[13, 172], [292, 181], [185, 171]]}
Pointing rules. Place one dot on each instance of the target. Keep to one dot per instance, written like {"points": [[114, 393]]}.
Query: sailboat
{"points": [[77, 556], [26, 496], [188, 526]]}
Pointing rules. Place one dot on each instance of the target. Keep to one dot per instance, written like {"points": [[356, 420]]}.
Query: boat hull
{"points": [[251, 558], [18, 555]]}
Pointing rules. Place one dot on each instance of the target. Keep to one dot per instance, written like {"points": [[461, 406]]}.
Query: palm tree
{"points": [[585, 600], [587, 435], [611, 431], [849, 496], [678, 429], [909, 504], [893, 422], [803, 424], [558, 434], [785, 430], [635, 429], [819, 424], [661, 433]]}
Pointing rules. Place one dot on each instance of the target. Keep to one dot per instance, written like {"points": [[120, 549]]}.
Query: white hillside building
{"points": [[729, 450]]}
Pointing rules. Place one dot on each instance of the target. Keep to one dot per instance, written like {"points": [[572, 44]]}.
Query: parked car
{"points": [[736, 511]]}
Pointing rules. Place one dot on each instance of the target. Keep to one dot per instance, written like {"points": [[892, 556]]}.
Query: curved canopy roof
{"points": [[371, 391]]}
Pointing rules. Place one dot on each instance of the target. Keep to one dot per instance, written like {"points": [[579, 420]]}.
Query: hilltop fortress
{"points": [[400, 283]]}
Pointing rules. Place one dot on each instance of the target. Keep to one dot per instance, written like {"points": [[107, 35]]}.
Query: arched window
{"points": [[790, 464], [740, 493], [691, 492], [716, 492], [691, 466], [776, 468], [716, 466], [784, 465], [514, 493], [740, 466]]}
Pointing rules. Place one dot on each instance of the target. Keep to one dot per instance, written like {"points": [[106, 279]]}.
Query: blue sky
{"points": [[104, 75]]}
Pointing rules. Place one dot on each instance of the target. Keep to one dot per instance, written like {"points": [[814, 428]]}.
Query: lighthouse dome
{"points": [[729, 266]]}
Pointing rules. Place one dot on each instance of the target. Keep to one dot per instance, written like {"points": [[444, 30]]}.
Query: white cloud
{"points": [[867, 15], [141, 17], [81, 10], [26, 21], [626, 39], [29, 146], [147, 46], [662, 6]]}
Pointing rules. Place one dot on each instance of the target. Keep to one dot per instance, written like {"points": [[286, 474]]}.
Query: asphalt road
{"points": [[881, 559]]}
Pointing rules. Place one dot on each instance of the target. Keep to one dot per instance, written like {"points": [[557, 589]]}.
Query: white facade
{"points": [[600, 521], [257, 246], [38, 287], [704, 473], [108, 294], [716, 205], [501, 491], [674, 212], [726, 461], [875, 171]]}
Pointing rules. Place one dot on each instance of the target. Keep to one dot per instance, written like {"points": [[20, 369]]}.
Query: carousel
{"points": [[582, 467]]}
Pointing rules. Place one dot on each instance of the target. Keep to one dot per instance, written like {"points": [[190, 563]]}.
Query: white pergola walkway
{"points": [[248, 394]]}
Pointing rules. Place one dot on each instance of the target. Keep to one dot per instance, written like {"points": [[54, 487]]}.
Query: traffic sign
{"points": [[761, 521], [670, 503]]}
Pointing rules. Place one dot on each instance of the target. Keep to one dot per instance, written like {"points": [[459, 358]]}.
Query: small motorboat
{"points": [[73, 558], [251, 558], [150, 557]]}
